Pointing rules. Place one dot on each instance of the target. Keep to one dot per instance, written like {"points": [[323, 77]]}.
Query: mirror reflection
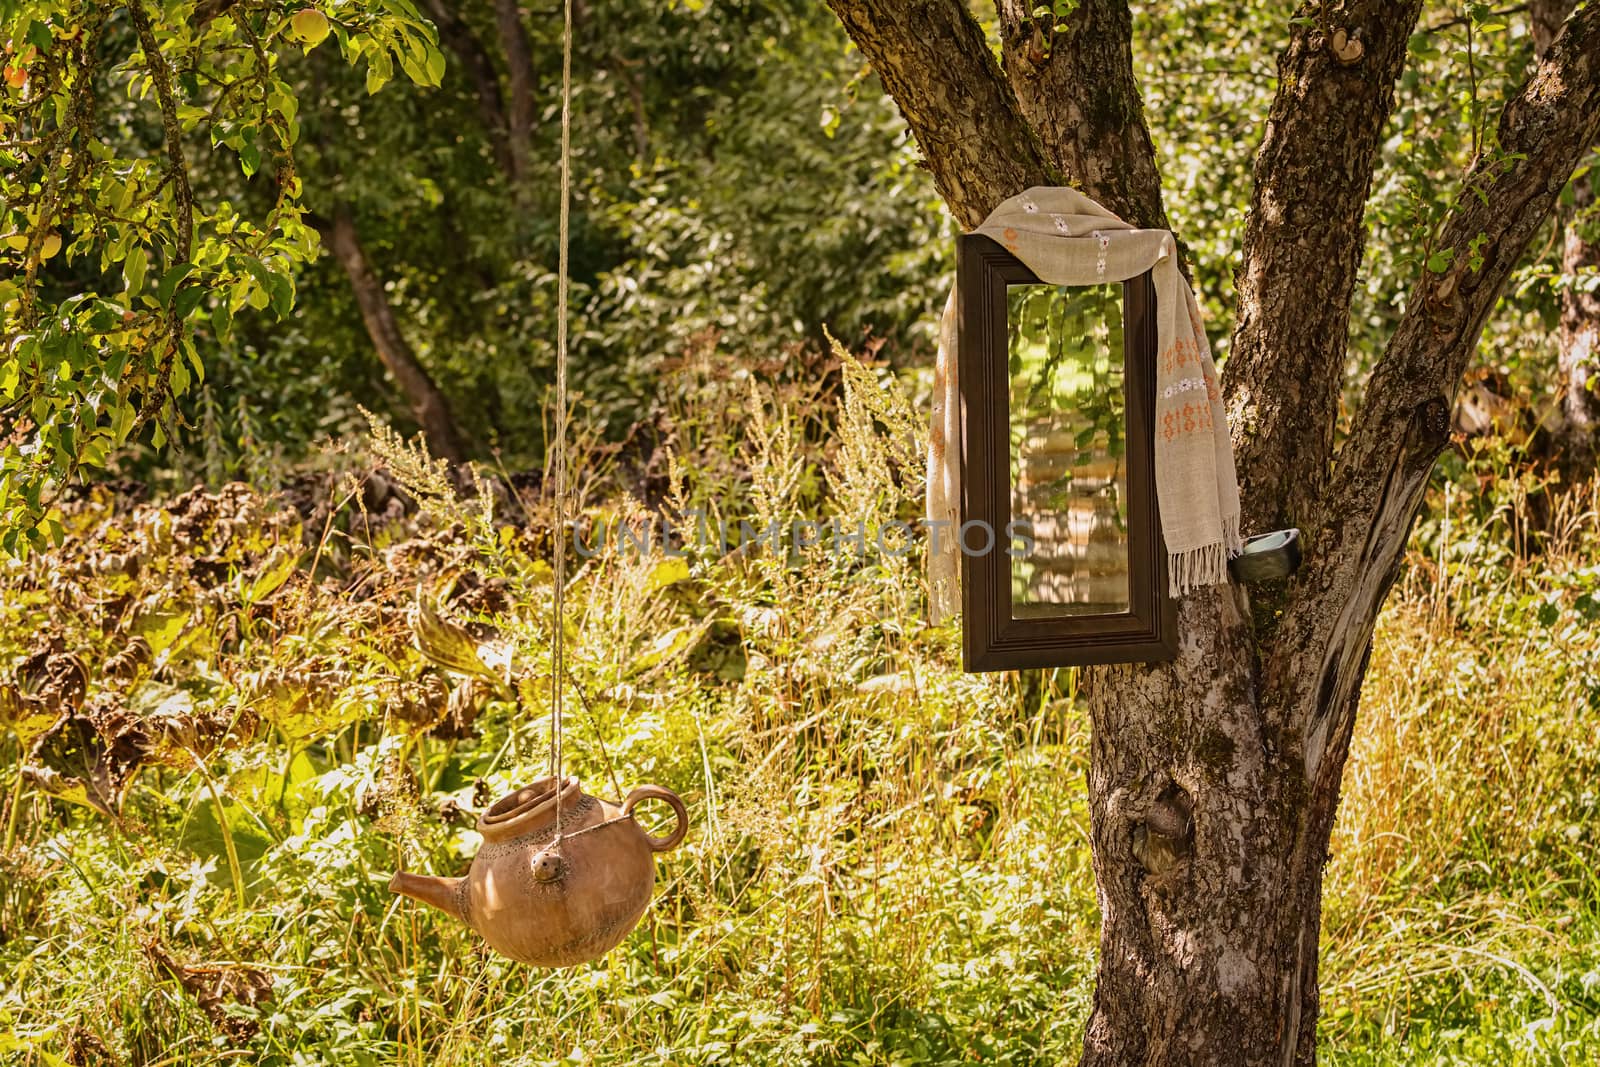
{"points": [[1067, 453]]}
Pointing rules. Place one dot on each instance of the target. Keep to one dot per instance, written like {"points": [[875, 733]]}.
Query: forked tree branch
{"points": [[1302, 250], [935, 63], [1075, 85], [1383, 467]]}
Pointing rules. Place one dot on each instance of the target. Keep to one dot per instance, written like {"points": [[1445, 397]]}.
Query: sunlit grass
{"points": [[1463, 922], [889, 862]]}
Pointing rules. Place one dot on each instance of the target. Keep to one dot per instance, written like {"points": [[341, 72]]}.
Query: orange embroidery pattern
{"points": [[1182, 353], [1190, 418]]}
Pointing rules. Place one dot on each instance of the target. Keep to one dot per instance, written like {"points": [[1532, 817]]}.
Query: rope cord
{"points": [[559, 450]]}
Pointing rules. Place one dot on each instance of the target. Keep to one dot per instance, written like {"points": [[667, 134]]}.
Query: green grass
{"points": [[1463, 924], [889, 861]]}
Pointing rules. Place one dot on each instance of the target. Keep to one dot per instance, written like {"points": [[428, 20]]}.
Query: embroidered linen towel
{"points": [[1067, 239]]}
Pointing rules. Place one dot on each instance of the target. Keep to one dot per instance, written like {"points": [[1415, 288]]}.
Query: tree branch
{"points": [[935, 62], [1462, 20], [207, 10], [1302, 250], [177, 165], [1383, 468], [457, 36], [627, 71], [183, 200], [1575, 440], [1075, 86]]}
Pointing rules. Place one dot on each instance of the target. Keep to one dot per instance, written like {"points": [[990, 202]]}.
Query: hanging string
{"points": [[559, 451]]}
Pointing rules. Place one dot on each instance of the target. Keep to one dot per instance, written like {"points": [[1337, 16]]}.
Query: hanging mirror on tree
{"points": [[1062, 558]]}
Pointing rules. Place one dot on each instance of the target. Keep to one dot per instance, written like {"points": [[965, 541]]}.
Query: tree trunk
{"points": [[457, 36], [1577, 432], [1302, 249], [934, 60], [1214, 779], [1074, 81], [1201, 920], [1578, 354], [1227, 929], [428, 405], [519, 70]]}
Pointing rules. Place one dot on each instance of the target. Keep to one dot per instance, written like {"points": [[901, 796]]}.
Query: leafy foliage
{"points": [[715, 194], [101, 111]]}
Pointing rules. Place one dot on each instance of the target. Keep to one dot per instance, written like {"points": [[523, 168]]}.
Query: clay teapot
{"points": [[547, 900]]}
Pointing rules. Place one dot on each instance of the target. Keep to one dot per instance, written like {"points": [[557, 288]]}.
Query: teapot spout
{"points": [[443, 893]]}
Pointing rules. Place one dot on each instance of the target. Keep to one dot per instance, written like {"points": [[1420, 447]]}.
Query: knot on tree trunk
{"points": [[1165, 837], [1346, 47], [1433, 427]]}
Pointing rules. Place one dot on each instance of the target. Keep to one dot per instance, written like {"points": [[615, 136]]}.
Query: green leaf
{"points": [[187, 300], [1588, 605], [170, 281], [276, 288], [668, 572], [445, 643], [133, 269], [203, 835], [379, 73], [222, 319], [270, 575], [161, 627], [104, 316], [122, 419]]}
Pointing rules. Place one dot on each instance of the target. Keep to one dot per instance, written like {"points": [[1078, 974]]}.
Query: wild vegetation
{"points": [[243, 240], [889, 861]]}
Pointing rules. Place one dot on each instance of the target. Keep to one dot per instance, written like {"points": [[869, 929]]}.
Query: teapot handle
{"points": [[656, 792]]}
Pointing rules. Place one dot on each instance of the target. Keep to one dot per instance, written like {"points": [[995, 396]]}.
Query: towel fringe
{"points": [[1206, 565]]}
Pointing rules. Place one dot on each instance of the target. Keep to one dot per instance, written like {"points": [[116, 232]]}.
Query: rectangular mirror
{"points": [[1062, 561], [1069, 477]]}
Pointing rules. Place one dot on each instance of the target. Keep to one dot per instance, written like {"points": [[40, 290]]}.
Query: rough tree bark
{"points": [[1578, 352], [1074, 82], [1214, 779], [428, 404], [1302, 249], [1577, 434], [934, 60]]}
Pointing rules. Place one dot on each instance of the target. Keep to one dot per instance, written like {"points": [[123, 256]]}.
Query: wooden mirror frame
{"points": [[992, 640]]}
